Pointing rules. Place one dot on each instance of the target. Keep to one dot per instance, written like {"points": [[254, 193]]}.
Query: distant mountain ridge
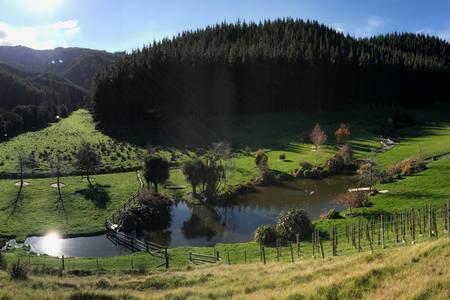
{"points": [[75, 64], [38, 85]]}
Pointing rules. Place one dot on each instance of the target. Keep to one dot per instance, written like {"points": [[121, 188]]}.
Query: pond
{"points": [[195, 225]]}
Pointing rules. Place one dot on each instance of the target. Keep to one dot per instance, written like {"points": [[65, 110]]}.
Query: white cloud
{"points": [[45, 36], [443, 33], [373, 24], [68, 27], [339, 27]]}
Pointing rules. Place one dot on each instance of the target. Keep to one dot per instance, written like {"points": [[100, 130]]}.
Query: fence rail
{"points": [[198, 258]]}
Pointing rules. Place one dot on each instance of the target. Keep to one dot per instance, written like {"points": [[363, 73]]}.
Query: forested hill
{"points": [[75, 64], [280, 65], [30, 100]]}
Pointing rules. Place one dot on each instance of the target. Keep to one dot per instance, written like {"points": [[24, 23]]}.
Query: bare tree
{"points": [[352, 200], [25, 163], [317, 137], [58, 164], [368, 173]]}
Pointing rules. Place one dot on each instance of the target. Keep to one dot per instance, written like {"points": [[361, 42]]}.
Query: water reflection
{"points": [[198, 225], [50, 244]]}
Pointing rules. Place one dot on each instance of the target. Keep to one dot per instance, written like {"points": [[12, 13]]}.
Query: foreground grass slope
{"points": [[420, 271]]}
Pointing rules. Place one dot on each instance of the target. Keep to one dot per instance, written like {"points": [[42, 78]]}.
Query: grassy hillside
{"points": [[39, 210], [63, 137], [420, 271], [81, 211]]}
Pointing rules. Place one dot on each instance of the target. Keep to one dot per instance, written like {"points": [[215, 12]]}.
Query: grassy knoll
{"points": [[419, 271]]}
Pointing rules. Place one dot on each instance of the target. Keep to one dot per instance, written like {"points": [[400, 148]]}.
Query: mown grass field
{"points": [[420, 271]]}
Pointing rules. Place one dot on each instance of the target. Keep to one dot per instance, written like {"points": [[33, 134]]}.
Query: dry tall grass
{"points": [[420, 271]]}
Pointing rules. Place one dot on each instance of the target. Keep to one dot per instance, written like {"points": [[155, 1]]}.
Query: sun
{"points": [[41, 5]]}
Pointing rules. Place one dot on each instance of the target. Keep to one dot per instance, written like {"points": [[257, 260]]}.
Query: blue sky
{"points": [[117, 25]]}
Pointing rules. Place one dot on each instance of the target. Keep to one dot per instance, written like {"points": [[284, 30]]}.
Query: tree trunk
{"points": [[156, 187], [59, 186], [194, 189], [89, 180]]}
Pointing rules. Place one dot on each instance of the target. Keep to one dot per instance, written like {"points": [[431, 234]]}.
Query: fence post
{"points": [[382, 231], [263, 254], [245, 256], [62, 263], [97, 264], [313, 243], [332, 241], [419, 222], [217, 255], [321, 247], [292, 252], [359, 236], [431, 222], [166, 257], [190, 256], [448, 218], [396, 228], [413, 226], [132, 263], [346, 233], [297, 236], [228, 257]]}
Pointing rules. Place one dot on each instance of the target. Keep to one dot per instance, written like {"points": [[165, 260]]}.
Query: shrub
{"points": [[18, 271], [266, 235], [304, 165], [407, 167], [152, 213], [335, 165], [292, 222], [2, 262], [313, 173], [261, 160], [282, 156], [346, 153], [331, 214]]}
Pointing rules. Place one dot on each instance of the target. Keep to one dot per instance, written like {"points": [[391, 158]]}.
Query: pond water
{"points": [[195, 225]]}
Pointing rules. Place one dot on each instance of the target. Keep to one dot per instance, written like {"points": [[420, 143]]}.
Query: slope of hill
{"points": [[76, 64], [29, 100], [275, 66]]}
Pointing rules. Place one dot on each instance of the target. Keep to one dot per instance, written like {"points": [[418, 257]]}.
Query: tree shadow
{"points": [[98, 194]]}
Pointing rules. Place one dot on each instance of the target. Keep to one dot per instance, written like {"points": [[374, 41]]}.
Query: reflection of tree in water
{"points": [[204, 222], [162, 237]]}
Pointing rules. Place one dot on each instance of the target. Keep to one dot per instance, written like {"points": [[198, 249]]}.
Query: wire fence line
{"points": [[383, 231]]}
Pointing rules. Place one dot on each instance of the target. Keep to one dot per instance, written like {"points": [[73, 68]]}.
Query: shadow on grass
{"points": [[97, 193]]}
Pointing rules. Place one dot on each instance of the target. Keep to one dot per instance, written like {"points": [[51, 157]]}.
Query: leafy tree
{"points": [[194, 170], [342, 133], [261, 160], [292, 222], [87, 161], [156, 170]]}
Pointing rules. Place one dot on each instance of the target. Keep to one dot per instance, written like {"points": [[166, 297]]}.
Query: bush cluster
{"points": [[289, 224]]}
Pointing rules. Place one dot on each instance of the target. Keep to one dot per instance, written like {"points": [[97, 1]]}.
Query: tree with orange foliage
{"points": [[342, 133]]}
